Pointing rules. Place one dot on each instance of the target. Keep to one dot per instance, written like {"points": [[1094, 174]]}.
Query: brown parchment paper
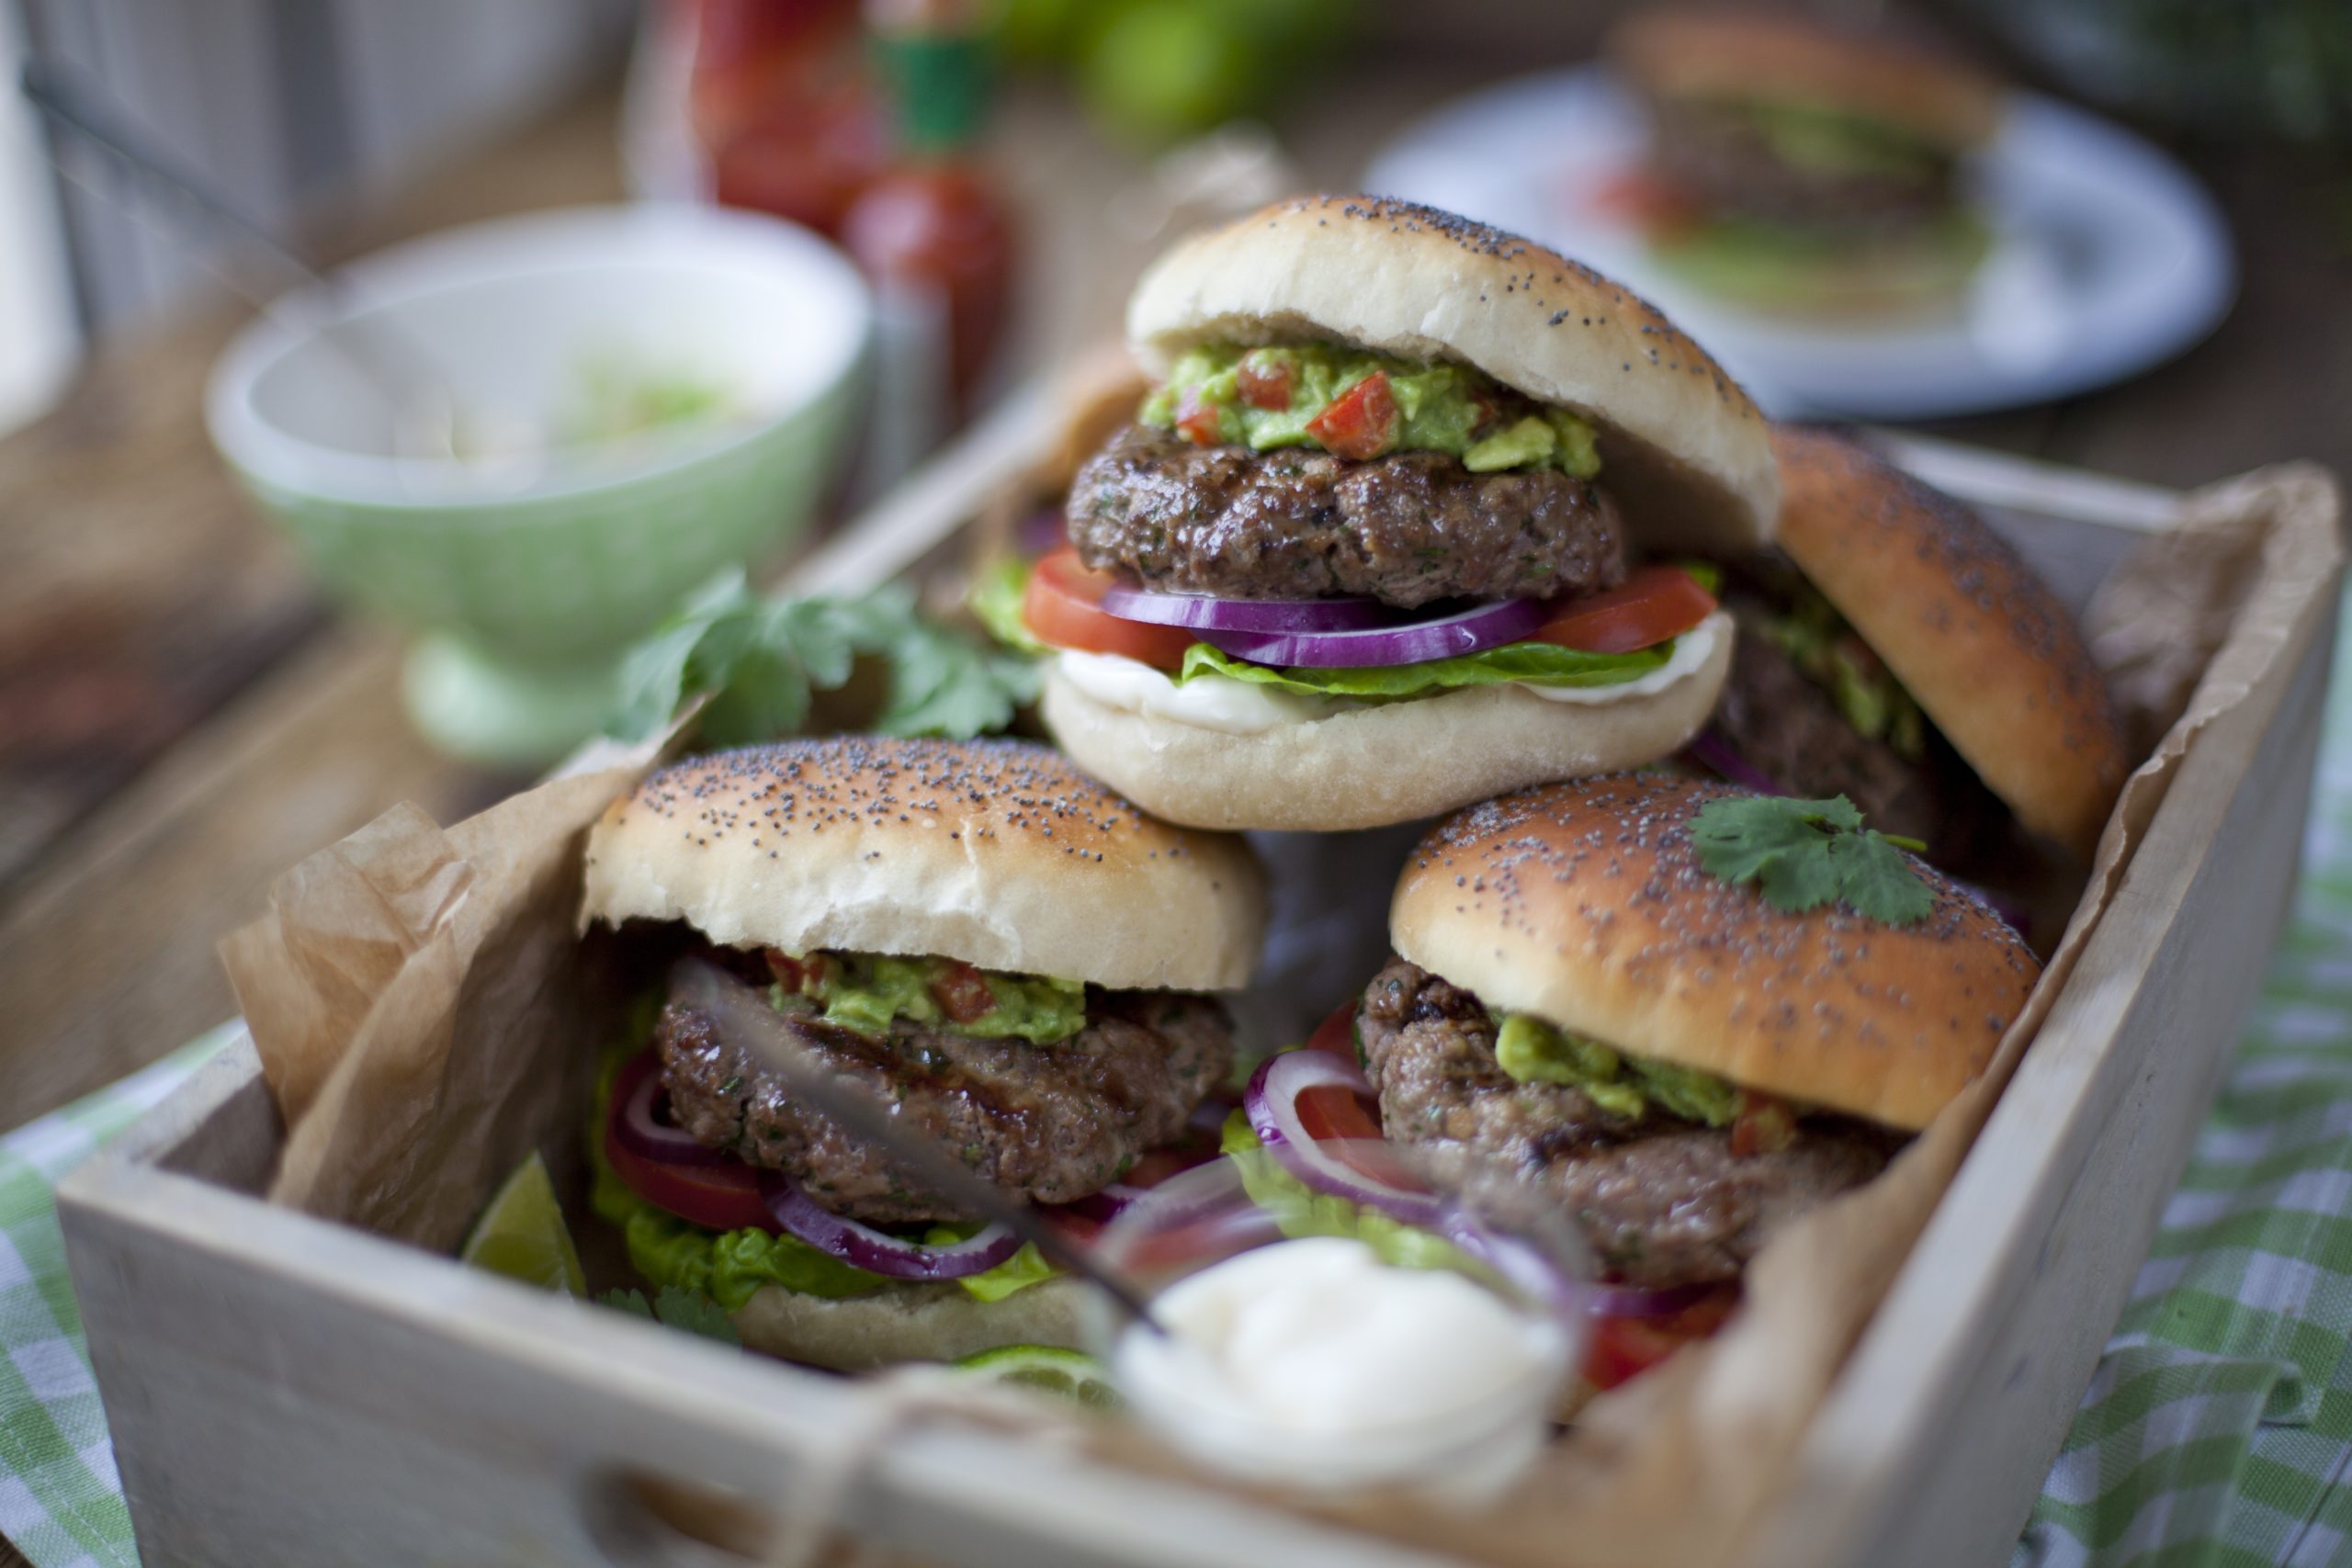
{"points": [[415, 995]]}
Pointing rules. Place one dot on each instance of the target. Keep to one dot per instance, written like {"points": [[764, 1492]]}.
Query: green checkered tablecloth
{"points": [[2216, 1433]]}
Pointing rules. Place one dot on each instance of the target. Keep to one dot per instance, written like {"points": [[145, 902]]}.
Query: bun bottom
{"points": [[938, 1322], [1369, 767]]}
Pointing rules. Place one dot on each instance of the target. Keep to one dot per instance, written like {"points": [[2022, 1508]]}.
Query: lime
{"points": [[522, 1233], [1161, 69], [1067, 1374]]}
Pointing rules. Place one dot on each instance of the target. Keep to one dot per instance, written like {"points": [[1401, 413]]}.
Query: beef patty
{"points": [[1661, 1201], [1300, 524], [1723, 160], [1046, 1123]]}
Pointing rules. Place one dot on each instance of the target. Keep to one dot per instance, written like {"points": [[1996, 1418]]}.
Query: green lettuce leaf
{"points": [[995, 599], [1299, 1210], [1023, 1268], [1529, 663]]}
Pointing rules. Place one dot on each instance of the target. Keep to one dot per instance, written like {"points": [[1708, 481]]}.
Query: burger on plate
{"points": [[1683, 1065], [1021, 963], [1798, 165], [1366, 552], [1894, 649]]}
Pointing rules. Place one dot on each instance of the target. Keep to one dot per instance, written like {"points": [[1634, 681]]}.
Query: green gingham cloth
{"points": [[2218, 1430]]}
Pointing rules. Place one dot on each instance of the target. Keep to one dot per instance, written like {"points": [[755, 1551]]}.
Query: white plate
{"points": [[2109, 257]]}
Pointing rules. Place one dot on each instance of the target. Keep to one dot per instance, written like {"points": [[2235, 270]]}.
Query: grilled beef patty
{"points": [[1661, 1201], [1046, 1123], [1723, 160], [1789, 729], [1300, 524]]}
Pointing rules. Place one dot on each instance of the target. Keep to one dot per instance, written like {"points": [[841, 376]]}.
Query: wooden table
{"points": [[181, 717]]}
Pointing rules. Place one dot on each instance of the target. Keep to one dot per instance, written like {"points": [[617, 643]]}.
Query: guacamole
{"points": [[1827, 141], [1532, 1050], [1818, 641], [1265, 397], [865, 991]]}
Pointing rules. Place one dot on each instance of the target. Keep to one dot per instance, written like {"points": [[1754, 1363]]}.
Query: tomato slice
{"points": [[1625, 1348], [1646, 202], [1064, 607], [1329, 1111], [1361, 421], [1337, 1033], [1655, 603]]}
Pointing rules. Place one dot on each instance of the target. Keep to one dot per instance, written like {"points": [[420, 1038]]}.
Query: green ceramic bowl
{"points": [[527, 570]]}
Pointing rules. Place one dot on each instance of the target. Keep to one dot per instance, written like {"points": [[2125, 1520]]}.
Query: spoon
{"points": [[744, 1015], [423, 413]]}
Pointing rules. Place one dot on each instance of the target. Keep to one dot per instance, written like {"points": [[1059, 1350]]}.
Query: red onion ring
{"points": [[1272, 1102], [1446, 636], [1634, 1301], [1207, 613], [862, 1247], [1718, 756], [636, 1129]]}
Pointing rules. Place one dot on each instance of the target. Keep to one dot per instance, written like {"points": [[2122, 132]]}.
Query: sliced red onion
{"points": [[1521, 1261], [1272, 1102], [1207, 613], [862, 1247], [1106, 1205], [638, 1129], [1445, 637], [1634, 1301], [1042, 533], [1718, 756]]}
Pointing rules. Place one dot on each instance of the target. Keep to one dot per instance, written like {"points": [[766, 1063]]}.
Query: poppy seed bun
{"points": [[1749, 54], [922, 1322], [1377, 764], [1584, 904], [1682, 449], [1983, 645], [999, 852]]}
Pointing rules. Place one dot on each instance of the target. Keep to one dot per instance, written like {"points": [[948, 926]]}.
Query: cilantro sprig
{"points": [[1804, 853], [761, 659], [679, 1308]]}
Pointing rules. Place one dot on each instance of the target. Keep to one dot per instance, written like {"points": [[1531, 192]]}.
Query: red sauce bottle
{"points": [[781, 99]]}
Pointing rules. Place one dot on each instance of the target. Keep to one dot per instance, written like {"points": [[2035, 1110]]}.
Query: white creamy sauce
{"points": [[1417, 1374], [1239, 707], [1692, 650], [1208, 702]]}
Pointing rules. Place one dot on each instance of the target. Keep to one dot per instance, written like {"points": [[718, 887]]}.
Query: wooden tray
{"points": [[282, 1389]]}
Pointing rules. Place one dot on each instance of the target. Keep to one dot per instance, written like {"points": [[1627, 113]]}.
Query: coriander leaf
{"points": [[659, 673], [1804, 853], [942, 684], [696, 1314], [679, 1308]]}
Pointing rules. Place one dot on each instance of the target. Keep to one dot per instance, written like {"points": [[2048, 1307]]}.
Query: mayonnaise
{"points": [[1692, 650], [1211, 702], [1312, 1362]]}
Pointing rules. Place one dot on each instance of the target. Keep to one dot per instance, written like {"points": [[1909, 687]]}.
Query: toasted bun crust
{"points": [[1750, 53], [1584, 905], [998, 852], [1992, 656], [1369, 767], [907, 1323], [1681, 448]]}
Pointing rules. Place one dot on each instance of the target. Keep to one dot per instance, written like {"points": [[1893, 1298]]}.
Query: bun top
{"points": [[1980, 641], [998, 852], [1584, 905], [1681, 448], [1746, 54]]}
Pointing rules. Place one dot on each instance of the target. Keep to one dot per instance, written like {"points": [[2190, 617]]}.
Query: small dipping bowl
{"points": [[528, 564], [1441, 1438]]}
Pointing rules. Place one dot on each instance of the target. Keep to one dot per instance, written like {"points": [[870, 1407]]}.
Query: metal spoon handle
{"points": [[744, 1016]]}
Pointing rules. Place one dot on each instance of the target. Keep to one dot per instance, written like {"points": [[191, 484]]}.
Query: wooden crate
{"points": [[284, 1391]]}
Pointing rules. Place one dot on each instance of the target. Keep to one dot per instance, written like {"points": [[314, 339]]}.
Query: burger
{"points": [[1798, 165], [1892, 648], [1681, 1064], [1367, 550], [1018, 962]]}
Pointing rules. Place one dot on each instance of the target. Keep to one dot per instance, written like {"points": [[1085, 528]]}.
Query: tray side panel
{"points": [[1935, 1440]]}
